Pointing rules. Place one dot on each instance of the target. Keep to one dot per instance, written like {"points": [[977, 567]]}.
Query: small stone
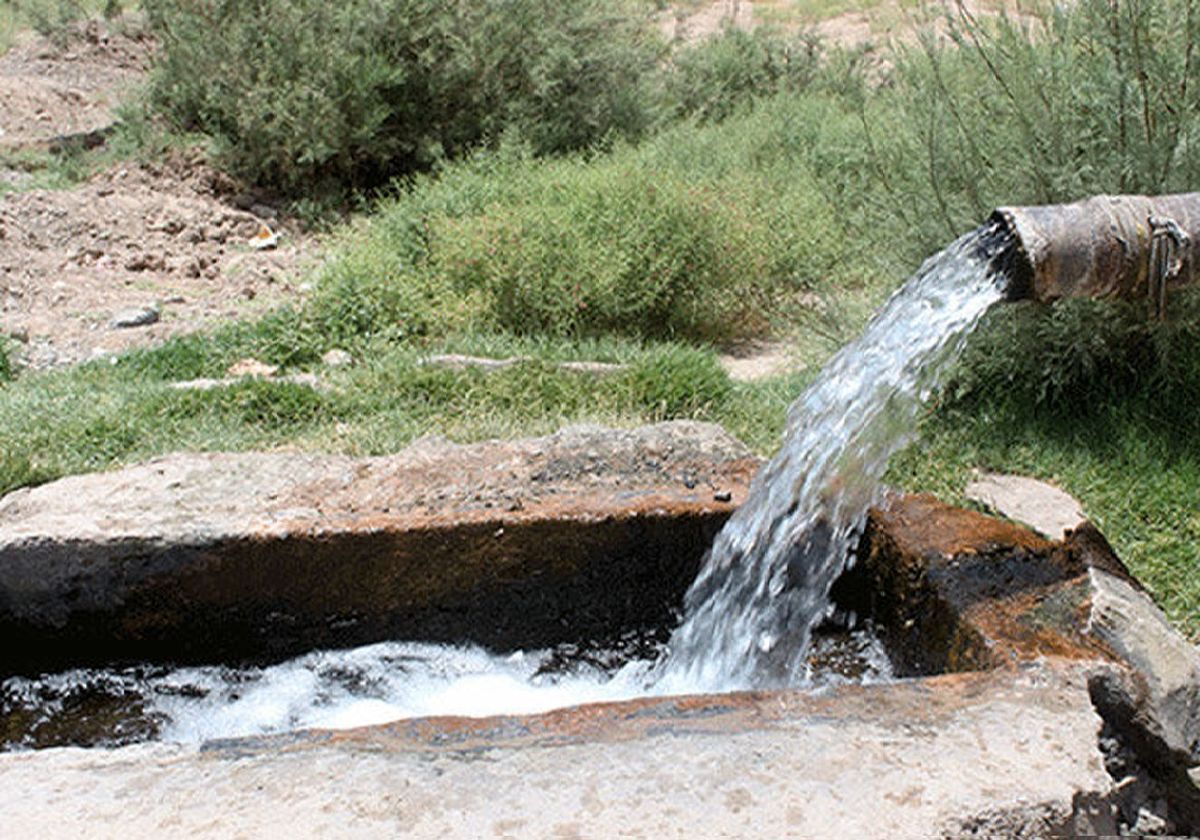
{"points": [[140, 317], [145, 262], [1150, 823], [337, 358], [1043, 507], [251, 367]]}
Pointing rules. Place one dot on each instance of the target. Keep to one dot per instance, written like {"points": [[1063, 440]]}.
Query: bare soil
{"points": [[172, 235], [50, 90]]}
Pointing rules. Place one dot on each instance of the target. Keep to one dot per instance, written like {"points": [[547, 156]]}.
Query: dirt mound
{"points": [[164, 237], [164, 247], [72, 87]]}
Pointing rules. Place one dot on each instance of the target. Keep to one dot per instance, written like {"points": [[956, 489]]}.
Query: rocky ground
{"points": [[139, 252], [50, 90]]}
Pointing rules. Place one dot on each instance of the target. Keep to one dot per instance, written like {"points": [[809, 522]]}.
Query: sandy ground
{"points": [[172, 237]]}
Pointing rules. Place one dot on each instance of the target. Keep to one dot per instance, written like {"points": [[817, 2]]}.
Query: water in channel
{"points": [[749, 616]]}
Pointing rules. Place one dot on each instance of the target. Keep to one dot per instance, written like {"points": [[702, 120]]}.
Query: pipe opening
{"points": [[1124, 247]]}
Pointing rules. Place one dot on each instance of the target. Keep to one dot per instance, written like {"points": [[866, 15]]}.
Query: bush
{"points": [[714, 78], [1081, 356], [302, 94], [617, 250], [702, 234], [1073, 100]]}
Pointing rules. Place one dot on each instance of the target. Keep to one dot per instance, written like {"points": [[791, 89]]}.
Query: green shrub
{"points": [[303, 93], [702, 234], [1072, 100], [1081, 356], [616, 251], [715, 77]]}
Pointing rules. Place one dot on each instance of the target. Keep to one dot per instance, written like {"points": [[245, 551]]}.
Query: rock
{"points": [[251, 367], [1043, 507], [456, 361], [307, 380], [140, 317], [198, 556], [145, 262], [1129, 622], [593, 368], [336, 358]]}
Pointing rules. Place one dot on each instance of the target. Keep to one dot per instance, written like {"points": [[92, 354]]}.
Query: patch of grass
{"points": [[102, 415]]}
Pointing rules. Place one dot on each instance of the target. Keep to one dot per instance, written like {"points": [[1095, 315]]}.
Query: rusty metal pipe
{"points": [[1127, 247]]}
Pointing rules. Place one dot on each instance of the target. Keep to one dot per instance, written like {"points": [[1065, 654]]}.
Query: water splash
{"points": [[751, 611], [341, 689]]}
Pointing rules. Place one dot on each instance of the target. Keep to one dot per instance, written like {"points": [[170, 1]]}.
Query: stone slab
{"points": [[1125, 618], [1050, 511], [200, 557], [1005, 753], [956, 590]]}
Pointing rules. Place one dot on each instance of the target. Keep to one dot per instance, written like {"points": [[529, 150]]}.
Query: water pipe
{"points": [[1128, 247]]}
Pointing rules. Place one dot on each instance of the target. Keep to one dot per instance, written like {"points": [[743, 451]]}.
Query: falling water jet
{"points": [[764, 586]]}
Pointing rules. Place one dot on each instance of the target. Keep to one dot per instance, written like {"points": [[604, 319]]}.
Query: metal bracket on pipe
{"points": [[1169, 244]]}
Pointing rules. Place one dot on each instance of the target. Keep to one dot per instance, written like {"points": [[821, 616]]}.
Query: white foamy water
{"points": [[374, 684], [342, 689], [750, 613]]}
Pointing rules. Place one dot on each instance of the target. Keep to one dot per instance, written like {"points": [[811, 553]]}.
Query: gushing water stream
{"points": [[765, 584]]}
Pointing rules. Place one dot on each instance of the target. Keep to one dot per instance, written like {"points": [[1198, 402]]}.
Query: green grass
{"points": [[103, 415]]}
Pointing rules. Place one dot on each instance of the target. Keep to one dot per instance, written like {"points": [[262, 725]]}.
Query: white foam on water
{"points": [[372, 685], [366, 686]]}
